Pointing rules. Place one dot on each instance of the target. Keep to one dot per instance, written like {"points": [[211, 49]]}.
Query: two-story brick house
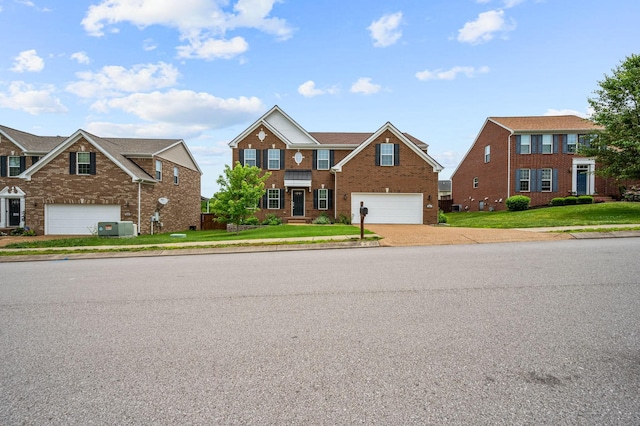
{"points": [[533, 156], [66, 185], [315, 173]]}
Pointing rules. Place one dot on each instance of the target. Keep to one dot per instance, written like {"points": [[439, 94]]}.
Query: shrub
{"points": [[442, 218], [557, 202], [251, 220], [272, 219], [570, 201], [323, 219], [518, 203], [585, 199], [344, 219]]}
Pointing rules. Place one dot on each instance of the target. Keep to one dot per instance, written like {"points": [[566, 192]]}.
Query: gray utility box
{"points": [[116, 229]]}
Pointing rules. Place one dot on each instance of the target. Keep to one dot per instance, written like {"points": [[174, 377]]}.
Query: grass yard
{"points": [[585, 214], [280, 231]]}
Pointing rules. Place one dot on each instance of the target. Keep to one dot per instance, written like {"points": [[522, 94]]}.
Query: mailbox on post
{"points": [[363, 212]]}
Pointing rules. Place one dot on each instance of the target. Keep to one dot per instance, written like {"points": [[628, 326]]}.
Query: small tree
{"points": [[240, 191], [616, 107]]}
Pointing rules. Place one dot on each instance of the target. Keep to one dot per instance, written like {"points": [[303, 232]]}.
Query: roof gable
{"points": [[401, 136], [282, 126], [28, 143]]}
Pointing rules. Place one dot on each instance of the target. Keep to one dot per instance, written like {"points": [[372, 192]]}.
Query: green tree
{"points": [[616, 107], [240, 191]]}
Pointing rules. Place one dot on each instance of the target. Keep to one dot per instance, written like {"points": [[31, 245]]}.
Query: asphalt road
{"points": [[518, 333]]}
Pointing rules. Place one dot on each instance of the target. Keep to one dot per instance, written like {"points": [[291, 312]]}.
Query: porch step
{"points": [[297, 220]]}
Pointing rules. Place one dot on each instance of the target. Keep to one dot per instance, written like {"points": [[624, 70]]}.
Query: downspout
{"points": [[509, 164], [139, 208], [335, 195]]}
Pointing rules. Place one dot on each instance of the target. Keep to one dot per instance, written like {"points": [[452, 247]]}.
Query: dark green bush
{"points": [[344, 219], [570, 201], [442, 218], [251, 220], [517, 203], [585, 199], [557, 202], [272, 219]]}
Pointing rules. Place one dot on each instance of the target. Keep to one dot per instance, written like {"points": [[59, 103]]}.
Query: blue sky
{"points": [[203, 70]]}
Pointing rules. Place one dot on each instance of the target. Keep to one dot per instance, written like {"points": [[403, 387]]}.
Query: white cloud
{"points": [[25, 97], [213, 49], [451, 74], [149, 45], [186, 107], [28, 60], [365, 86], [484, 28], [552, 111], [81, 57], [512, 3], [115, 80], [203, 23], [384, 31], [308, 89]]}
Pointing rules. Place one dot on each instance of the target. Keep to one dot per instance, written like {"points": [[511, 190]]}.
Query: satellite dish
{"points": [[163, 201]]}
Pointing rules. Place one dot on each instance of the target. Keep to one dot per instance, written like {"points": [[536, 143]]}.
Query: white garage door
{"points": [[77, 219], [387, 208]]}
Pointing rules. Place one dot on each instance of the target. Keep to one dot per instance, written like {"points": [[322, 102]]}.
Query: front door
{"points": [[581, 181], [14, 211], [298, 202]]}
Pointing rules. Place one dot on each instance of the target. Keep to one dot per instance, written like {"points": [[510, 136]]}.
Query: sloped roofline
{"points": [[77, 135], [180, 142], [388, 126], [263, 121], [474, 144], [15, 142]]}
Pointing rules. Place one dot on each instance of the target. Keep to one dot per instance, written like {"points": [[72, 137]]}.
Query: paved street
{"points": [[518, 333]]}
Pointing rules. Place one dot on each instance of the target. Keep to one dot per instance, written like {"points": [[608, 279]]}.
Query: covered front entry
{"points": [[583, 176], [78, 219], [12, 207], [388, 208], [297, 202]]}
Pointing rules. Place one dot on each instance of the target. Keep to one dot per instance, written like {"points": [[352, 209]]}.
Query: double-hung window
{"points": [[83, 163], [249, 157], [525, 180], [475, 182], [547, 144], [158, 170], [545, 180], [323, 159], [323, 199], [14, 166], [572, 143], [175, 176], [274, 159], [487, 153], [525, 144], [273, 198], [386, 154]]}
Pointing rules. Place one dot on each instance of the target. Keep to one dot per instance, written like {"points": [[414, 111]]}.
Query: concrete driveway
{"points": [[425, 235]]}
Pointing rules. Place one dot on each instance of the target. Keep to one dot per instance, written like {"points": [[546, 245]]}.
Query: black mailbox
{"points": [[364, 211]]}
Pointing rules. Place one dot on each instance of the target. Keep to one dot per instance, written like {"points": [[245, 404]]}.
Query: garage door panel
{"points": [[74, 219], [388, 208]]}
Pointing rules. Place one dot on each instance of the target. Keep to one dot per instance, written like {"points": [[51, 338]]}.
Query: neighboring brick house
{"points": [[532, 156], [66, 185], [331, 173]]}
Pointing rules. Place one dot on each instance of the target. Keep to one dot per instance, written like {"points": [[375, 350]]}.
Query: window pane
{"points": [[572, 142], [323, 195], [273, 198], [14, 166], [547, 144], [386, 154], [525, 144], [274, 159], [82, 160], [249, 157], [323, 159]]}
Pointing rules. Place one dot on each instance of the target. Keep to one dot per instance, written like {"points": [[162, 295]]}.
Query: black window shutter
{"points": [[282, 159], [23, 164], [396, 154], [92, 163], [517, 180], [315, 199], [241, 156], [555, 143], [330, 202], [3, 166], [314, 166], [265, 202], [377, 154], [555, 180], [258, 158], [332, 158], [34, 159], [282, 197], [518, 141], [534, 183], [265, 158], [72, 163]]}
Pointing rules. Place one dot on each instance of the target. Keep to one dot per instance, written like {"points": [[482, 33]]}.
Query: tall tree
{"points": [[240, 191], [616, 107]]}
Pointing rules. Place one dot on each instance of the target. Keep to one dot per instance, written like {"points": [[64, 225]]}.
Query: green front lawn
{"points": [[585, 214], [280, 231]]}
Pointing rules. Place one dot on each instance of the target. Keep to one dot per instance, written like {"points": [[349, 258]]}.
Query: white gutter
{"points": [[508, 164], [139, 207]]}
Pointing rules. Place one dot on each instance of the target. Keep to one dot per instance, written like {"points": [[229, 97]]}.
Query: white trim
{"points": [[591, 177]]}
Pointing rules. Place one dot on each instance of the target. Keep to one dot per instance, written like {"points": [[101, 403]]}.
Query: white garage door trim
{"points": [[77, 219], [388, 208]]}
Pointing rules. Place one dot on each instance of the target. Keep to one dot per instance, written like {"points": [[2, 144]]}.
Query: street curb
{"points": [[191, 250]]}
